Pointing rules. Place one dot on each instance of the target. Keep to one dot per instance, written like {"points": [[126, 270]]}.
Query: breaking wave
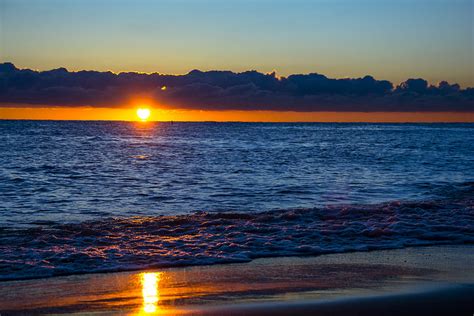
{"points": [[117, 244]]}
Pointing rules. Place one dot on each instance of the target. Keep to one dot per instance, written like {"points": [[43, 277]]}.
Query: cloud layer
{"points": [[226, 90]]}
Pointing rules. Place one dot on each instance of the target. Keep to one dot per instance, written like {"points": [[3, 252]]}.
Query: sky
{"points": [[387, 39]]}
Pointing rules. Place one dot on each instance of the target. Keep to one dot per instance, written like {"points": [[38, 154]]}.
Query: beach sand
{"points": [[418, 281]]}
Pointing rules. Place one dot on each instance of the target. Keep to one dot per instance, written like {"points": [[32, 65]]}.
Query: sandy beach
{"points": [[423, 280]]}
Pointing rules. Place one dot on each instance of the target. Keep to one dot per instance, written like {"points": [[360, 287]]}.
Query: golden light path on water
{"points": [[150, 292]]}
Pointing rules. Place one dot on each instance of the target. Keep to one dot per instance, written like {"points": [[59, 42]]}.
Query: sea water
{"points": [[78, 197]]}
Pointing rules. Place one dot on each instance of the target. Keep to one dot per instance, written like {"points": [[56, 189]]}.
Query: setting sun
{"points": [[143, 114]]}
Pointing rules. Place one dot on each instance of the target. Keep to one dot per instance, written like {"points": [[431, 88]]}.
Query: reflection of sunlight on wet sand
{"points": [[150, 291], [197, 290]]}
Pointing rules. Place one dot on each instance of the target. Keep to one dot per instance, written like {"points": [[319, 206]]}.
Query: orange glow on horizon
{"points": [[130, 114]]}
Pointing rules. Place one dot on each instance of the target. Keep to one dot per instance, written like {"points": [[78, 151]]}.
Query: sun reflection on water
{"points": [[150, 291]]}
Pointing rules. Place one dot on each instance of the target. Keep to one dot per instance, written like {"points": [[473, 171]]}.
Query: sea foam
{"points": [[127, 243]]}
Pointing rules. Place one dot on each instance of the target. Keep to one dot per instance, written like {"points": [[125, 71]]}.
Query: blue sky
{"points": [[392, 40]]}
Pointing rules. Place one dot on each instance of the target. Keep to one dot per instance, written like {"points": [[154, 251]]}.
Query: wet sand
{"points": [[418, 281]]}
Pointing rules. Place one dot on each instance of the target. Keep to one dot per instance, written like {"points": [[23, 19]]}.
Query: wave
{"points": [[130, 243]]}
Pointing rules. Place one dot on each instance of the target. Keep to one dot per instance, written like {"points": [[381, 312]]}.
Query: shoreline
{"points": [[308, 285], [191, 265]]}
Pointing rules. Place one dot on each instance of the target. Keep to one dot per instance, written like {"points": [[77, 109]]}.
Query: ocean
{"points": [[80, 197]]}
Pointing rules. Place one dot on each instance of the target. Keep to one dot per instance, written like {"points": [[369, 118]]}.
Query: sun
{"points": [[143, 113]]}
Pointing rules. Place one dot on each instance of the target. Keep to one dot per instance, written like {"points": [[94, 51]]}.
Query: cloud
{"points": [[226, 90]]}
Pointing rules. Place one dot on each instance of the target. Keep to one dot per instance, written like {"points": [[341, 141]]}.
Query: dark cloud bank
{"points": [[225, 90]]}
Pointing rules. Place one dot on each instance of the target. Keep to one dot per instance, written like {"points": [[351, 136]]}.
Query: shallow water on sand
{"points": [[199, 290]]}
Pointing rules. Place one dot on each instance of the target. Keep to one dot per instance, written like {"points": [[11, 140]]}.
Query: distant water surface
{"points": [[59, 180]]}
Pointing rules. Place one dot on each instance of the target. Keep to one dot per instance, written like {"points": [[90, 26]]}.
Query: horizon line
{"points": [[250, 122]]}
